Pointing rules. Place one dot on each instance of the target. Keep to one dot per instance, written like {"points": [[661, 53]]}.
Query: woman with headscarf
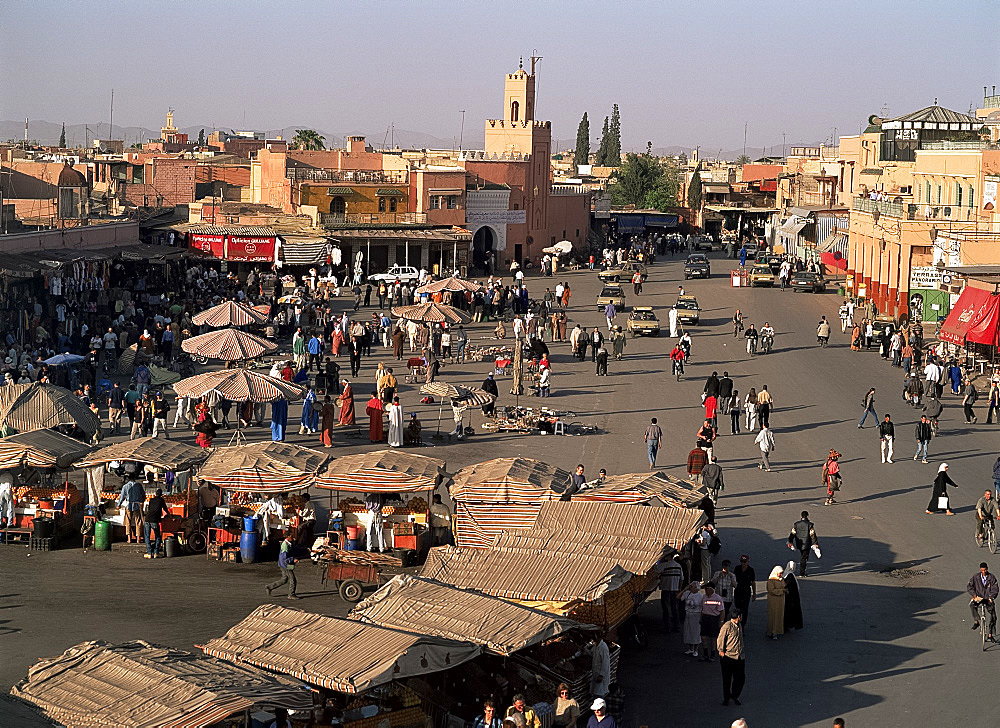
{"points": [[939, 496], [793, 605], [329, 419], [375, 410], [346, 403], [775, 604], [692, 599], [206, 430], [308, 421], [856, 338]]}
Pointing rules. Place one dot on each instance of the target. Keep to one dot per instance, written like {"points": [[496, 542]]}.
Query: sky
{"points": [[682, 73]]}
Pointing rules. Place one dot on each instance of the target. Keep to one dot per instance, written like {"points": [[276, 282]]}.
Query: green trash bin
{"points": [[102, 535], [840, 291]]}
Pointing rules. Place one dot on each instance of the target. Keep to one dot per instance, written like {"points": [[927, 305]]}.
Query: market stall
{"points": [[229, 345], [38, 406], [246, 475], [649, 488], [170, 462], [43, 507], [502, 493], [402, 481], [138, 684]]}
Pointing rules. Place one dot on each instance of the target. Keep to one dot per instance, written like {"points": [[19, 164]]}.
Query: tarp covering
{"points": [[430, 607], [163, 454], [229, 313], [382, 471], [36, 406], [450, 284], [139, 684], [44, 449], [431, 312], [986, 330], [478, 524], [672, 527], [653, 488], [263, 467], [509, 480], [966, 313], [338, 654]]}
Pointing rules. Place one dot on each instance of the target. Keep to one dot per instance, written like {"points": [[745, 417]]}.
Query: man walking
{"points": [[286, 562], [969, 396], [160, 409], [746, 588], [116, 404], [156, 509], [993, 402], [886, 433], [803, 537], [923, 435], [670, 584], [725, 393], [696, 461], [732, 657], [653, 438], [711, 478], [765, 441], [132, 499], [869, 405]]}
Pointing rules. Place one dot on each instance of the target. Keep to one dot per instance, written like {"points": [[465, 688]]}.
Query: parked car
{"points": [[704, 242], [611, 294], [623, 272], [761, 275], [697, 266], [402, 273], [688, 310], [642, 320], [807, 281]]}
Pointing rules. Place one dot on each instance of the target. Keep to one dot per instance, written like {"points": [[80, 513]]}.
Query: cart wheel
{"points": [[351, 590], [197, 543]]}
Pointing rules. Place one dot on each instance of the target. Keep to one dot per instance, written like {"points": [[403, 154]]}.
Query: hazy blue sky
{"points": [[684, 73]]}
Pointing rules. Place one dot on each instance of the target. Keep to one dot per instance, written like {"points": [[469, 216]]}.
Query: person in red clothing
{"points": [[711, 405], [697, 459]]}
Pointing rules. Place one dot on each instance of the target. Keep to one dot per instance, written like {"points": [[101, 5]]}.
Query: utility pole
{"points": [[745, 125], [782, 145], [461, 134], [111, 124]]}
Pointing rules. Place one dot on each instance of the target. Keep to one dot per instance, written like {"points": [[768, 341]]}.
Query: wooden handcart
{"points": [[351, 571]]}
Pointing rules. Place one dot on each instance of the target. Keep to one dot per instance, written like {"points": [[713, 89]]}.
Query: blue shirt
{"points": [[285, 558], [133, 495], [315, 347]]}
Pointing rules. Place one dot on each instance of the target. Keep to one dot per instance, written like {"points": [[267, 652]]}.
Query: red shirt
{"points": [[710, 404]]}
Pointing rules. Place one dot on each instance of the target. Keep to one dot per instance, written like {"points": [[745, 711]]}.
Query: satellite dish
{"points": [[874, 120]]}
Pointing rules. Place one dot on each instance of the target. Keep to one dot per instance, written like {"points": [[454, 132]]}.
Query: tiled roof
{"points": [[936, 114]]}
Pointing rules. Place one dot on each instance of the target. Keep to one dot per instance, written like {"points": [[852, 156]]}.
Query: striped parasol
{"points": [[475, 398], [228, 345], [39, 406], [239, 385], [431, 312], [451, 284], [43, 449], [263, 467], [444, 390], [229, 313], [385, 471]]}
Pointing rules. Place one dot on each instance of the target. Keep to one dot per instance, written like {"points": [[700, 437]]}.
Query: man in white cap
{"points": [[600, 718]]}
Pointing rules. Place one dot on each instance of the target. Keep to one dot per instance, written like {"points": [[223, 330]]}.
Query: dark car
{"points": [[772, 260], [807, 281], [697, 266]]}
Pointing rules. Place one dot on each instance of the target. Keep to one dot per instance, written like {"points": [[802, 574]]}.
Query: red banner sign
{"points": [[214, 245], [250, 249]]}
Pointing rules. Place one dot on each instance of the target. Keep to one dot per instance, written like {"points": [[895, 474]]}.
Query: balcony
{"points": [[350, 176], [889, 209], [372, 219], [570, 190], [913, 211]]}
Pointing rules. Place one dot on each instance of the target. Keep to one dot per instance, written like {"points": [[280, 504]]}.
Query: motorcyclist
{"points": [[766, 337], [677, 359], [685, 345], [737, 323], [751, 337], [933, 408]]}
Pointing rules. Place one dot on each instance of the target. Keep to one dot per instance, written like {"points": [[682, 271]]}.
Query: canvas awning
{"points": [[338, 654], [986, 330], [429, 607], [38, 406], [509, 480], [138, 684], [263, 467], [792, 227], [162, 454], [970, 308], [651, 488], [228, 345], [313, 251], [386, 471], [229, 313], [834, 243], [44, 449]]}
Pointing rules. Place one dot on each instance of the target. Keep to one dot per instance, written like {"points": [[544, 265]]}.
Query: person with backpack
{"points": [[803, 538]]}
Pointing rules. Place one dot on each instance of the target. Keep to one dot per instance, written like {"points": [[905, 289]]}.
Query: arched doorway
{"points": [[483, 241], [338, 206]]}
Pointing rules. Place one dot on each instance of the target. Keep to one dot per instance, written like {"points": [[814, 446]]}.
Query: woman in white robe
{"points": [[395, 423]]}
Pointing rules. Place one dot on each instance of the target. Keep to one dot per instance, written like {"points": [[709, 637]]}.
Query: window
{"points": [[514, 110], [516, 206], [907, 190], [958, 194], [452, 202], [392, 204], [938, 195], [381, 204], [972, 196], [578, 233], [927, 197]]}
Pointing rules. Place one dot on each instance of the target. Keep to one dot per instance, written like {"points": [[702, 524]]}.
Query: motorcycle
{"points": [[766, 342], [751, 346]]}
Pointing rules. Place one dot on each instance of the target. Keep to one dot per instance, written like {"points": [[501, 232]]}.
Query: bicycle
{"points": [[984, 629], [678, 368], [989, 537]]}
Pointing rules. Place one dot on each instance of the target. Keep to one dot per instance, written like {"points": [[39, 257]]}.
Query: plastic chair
{"points": [[559, 428]]}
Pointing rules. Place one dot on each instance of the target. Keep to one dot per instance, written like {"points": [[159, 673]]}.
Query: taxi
{"points": [[761, 275], [623, 272], [642, 321], [611, 294], [688, 310]]}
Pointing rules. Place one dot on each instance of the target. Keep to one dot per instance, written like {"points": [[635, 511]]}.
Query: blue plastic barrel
{"points": [[352, 544], [249, 541], [249, 523]]}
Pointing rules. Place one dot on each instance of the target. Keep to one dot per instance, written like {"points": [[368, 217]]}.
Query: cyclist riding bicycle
{"points": [[751, 336], [766, 337], [737, 323], [986, 510], [984, 589]]}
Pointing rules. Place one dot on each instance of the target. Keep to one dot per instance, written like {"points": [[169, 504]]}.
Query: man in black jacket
{"points": [[712, 386], [886, 433], [984, 589], [803, 537], [711, 478], [725, 393], [923, 435]]}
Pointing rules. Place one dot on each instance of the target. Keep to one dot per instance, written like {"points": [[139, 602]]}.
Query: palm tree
{"points": [[308, 139]]}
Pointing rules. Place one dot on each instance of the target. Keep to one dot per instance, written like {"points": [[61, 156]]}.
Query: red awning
{"points": [[965, 314], [986, 329], [833, 260]]}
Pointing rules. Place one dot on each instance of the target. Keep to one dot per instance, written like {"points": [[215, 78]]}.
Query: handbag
{"points": [[943, 502]]}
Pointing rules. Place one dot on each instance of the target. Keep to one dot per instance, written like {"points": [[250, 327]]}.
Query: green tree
{"points": [[62, 137], [636, 177], [743, 159], [614, 152], [308, 139], [602, 148], [201, 138], [582, 155], [694, 191], [666, 193]]}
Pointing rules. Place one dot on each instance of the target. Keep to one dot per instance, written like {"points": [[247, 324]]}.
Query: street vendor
{"points": [[440, 522], [412, 434], [273, 508], [307, 522], [376, 537]]}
